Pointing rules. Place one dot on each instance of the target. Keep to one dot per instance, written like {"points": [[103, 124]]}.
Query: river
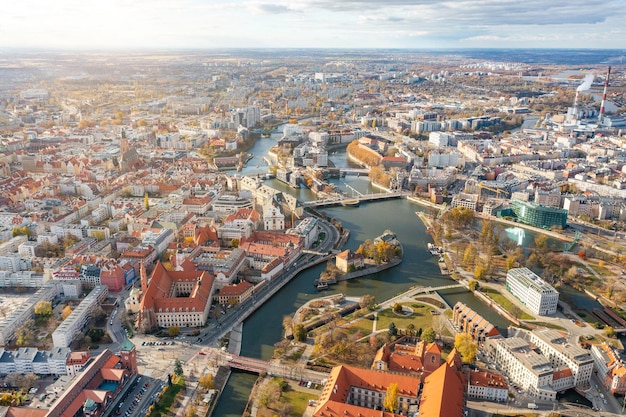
{"points": [[419, 267]]}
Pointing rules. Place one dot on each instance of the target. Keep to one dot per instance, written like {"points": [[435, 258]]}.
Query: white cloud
{"points": [[313, 23]]}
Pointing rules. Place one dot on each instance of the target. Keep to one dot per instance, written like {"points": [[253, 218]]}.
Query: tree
{"points": [[67, 310], [299, 333], [480, 271], [428, 335], [173, 331], [288, 324], [609, 331], [146, 201], [234, 242], [43, 309], [391, 398], [516, 311], [192, 411], [473, 285], [393, 330], [178, 367], [397, 308], [466, 346], [367, 301], [98, 314], [206, 381]]}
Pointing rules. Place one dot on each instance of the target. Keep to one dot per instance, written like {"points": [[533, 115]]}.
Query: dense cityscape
{"points": [[457, 217]]}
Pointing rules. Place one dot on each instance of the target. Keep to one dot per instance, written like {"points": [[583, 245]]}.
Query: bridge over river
{"points": [[356, 200]]}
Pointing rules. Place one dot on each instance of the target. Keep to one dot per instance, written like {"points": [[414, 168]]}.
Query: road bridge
{"points": [[356, 199]]}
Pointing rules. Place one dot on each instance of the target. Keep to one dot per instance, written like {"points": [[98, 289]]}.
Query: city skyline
{"points": [[160, 24]]}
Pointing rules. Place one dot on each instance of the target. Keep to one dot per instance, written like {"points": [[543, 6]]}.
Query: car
{"points": [[201, 353]]}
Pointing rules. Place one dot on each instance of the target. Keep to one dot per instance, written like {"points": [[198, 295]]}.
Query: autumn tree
{"points": [[173, 331], [466, 346], [288, 324], [367, 301], [43, 309], [206, 381], [299, 333], [67, 310], [391, 398]]}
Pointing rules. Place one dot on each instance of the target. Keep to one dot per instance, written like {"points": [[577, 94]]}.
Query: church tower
{"points": [[144, 278], [129, 356]]}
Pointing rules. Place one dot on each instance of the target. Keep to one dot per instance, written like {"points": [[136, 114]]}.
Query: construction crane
{"points": [[498, 191]]}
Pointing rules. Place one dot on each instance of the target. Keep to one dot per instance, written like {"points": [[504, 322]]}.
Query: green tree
{"points": [[466, 346], [428, 335], [234, 242], [393, 330], [43, 309], [397, 308], [23, 230], [473, 285], [391, 398], [609, 331], [178, 367]]}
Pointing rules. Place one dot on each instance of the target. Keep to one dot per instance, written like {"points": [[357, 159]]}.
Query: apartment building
{"points": [[540, 297], [75, 322], [562, 353], [610, 367], [30, 360], [470, 322], [525, 367]]}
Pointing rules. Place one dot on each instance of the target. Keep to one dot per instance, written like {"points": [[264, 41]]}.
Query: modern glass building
{"points": [[538, 215]]}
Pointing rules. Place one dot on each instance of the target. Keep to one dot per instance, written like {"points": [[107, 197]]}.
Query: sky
{"points": [[426, 24]]}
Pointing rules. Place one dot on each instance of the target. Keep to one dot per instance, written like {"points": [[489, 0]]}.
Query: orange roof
{"points": [[442, 395], [488, 379], [112, 374], [25, 412], [236, 289], [157, 295], [562, 373], [343, 377]]}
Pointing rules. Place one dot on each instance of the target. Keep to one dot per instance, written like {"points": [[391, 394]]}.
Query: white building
{"points": [[74, 323], [273, 218], [308, 229], [525, 367], [563, 354], [487, 386], [532, 291], [31, 360]]}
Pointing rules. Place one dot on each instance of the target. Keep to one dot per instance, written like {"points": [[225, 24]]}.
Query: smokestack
{"points": [[606, 87], [586, 84]]}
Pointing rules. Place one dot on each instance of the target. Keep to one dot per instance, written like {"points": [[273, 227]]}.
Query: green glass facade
{"points": [[538, 215]]}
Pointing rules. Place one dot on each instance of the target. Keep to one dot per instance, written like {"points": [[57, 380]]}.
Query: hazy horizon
{"points": [[342, 24]]}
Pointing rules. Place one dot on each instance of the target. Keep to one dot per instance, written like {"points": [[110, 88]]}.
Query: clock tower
{"points": [[129, 356]]}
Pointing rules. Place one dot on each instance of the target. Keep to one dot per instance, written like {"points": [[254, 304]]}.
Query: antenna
{"points": [[606, 87]]}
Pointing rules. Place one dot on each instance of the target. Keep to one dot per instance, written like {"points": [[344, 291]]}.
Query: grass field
{"points": [[504, 302], [162, 407]]}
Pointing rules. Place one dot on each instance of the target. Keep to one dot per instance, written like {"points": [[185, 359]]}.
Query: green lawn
{"points": [[549, 325], [504, 302], [421, 317], [298, 400], [162, 407]]}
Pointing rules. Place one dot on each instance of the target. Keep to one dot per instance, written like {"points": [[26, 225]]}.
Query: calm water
{"points": [[419, 267]]}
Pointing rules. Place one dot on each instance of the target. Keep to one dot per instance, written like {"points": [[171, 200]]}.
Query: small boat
{"points": [[321, 286]]}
